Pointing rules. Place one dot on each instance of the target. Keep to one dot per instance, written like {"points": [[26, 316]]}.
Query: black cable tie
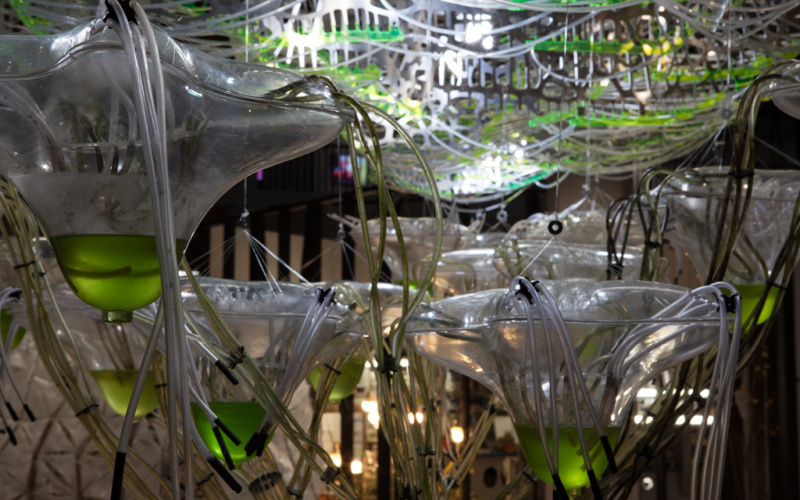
{"points": [[598, 494], [324, 295], [331, 368], [236, 359], [29, 412], [20, 266], [224, 474], [119, 475], [730, 302], [615, 269], [294, 492], [15, 294], [560, 492], [530, 475], [85, 410], [750, 173], [228, 374], [204, 480], [389, 363], [776, 285], [11, 436], [330, 474], [159, 386], [555, 227], [426, 452], [11, 411], [652, 244], [612, 462], [130, 14], [228, 432], [525, 292], [645, 451], [223, 447]]}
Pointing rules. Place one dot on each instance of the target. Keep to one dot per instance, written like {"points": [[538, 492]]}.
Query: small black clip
{"points": [[389, 363], [524, 291], [730, 302], [555, 227], [330, 474], [130, 14]]}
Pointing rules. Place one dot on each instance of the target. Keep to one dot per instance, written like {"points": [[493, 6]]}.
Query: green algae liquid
{"points": [[117, 387], [571, 467], [241, 417], [346, 383], [750, 295], [116, 273]]}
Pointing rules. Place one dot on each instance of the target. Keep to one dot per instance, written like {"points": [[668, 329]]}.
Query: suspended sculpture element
{"points": [[566, 360]]}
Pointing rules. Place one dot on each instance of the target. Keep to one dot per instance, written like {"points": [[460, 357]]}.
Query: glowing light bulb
{"points": [[457, 434], [369, 406], [336, 458], [374, 418], [356, 467]]}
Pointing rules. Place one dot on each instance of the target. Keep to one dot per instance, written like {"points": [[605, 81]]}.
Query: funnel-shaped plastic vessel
{"points": [[112, 353], [287, 328], [621, 334], [419, 237], [696, 202], [70, 142]]}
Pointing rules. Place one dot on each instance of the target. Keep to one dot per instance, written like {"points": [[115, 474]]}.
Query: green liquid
{"points": [[571, 468], [117, 387], [116, 273], [241, 417], [346, 383], [750, 295]]}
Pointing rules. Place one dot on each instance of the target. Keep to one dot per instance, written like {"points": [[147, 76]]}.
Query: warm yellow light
{"points": [[337, 459], [457, 434], [356, 467], [410, 418], [369, 406], [374, 418], [420, 417]]}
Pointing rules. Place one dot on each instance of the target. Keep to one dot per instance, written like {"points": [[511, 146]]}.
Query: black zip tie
{"points": [[159, 386], [225, 371], [11, 411], [204, 480], [15, 294], [652, 244], [426, 452], [646, 451], [741, 176], [224, 474], [615, 269], [294, 492], [228, 432], [389, 363], [330, 474], [530, 475], [264, 482], [20, 266], [324, 294], [331, 368], [407, 492], [93, 405], [730, 302], [223, 447], [119, 475], [130, 14], [612, 462], [235, 360], [525, 292], [598, 494], [560, 492], [11, 436], [29, 412], [776, 285]]}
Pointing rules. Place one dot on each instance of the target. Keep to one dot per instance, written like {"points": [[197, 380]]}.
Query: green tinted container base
{"points": [[571, 467], [750, 295], [241, 417], [117, 387], [116, 273], [346, 383]]}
